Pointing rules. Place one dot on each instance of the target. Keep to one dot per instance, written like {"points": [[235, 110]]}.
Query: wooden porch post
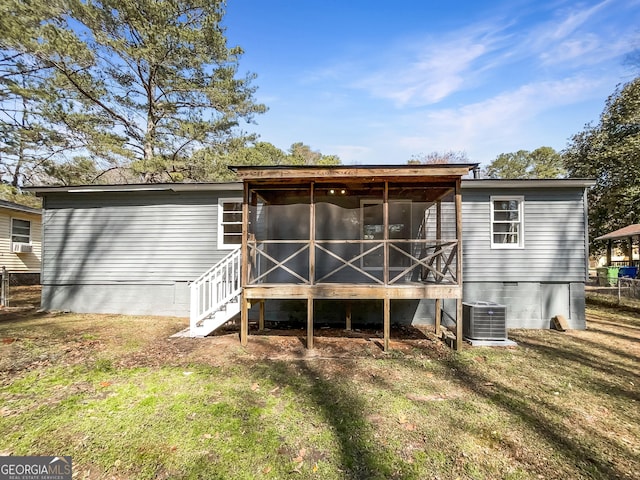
{"points": [[261, 317], [312, 262], [438, 319], [348, 319], [310, 322], [385, 273], [312, 234], [630, 244], [244, 308], [458, 323], [385, 233], [438, 278], [459, 263], [609, 248], [387, 322]]}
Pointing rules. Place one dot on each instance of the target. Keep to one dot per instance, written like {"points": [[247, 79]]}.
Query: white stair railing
{"points": [[212, 293]]}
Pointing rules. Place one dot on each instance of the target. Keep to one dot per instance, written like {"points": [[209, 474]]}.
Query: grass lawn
{"points": [[125, 401]]}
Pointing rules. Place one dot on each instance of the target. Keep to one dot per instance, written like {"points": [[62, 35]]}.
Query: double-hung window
{"points": [[20, 231], [229, 222], [507, 222]]}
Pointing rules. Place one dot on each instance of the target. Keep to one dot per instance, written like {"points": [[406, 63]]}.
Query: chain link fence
{"points": [[14, 279], [623, 291], [628, 288]]}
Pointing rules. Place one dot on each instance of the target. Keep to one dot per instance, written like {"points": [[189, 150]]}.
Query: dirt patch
{"points": [[290, 344], [92, 335]]}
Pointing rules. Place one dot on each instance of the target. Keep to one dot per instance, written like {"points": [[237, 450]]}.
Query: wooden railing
{"points": [[415, 261], [215, 288]]}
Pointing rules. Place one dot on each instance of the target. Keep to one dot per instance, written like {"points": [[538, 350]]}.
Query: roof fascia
{"points": [[533, 183], [158, 187]]}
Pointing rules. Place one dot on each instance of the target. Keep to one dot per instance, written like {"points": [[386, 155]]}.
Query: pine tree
{"points": [[140, 84]]}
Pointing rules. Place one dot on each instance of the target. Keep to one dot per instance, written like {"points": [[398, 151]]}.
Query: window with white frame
{"points": [[507, 222], [20, 231], [229, 222]]}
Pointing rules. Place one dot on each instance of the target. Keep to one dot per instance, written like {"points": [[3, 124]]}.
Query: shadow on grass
{"points": [[609, 333], [361, 455], [545, 420], [577, 357], [13, 314]]}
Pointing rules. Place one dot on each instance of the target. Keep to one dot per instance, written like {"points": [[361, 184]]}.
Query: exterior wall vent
{"points": [[21, 247], [484, 321]]}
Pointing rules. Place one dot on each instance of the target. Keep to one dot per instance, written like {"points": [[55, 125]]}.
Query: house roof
{"points": [[237, 185], [626, 232], [19, 208]]}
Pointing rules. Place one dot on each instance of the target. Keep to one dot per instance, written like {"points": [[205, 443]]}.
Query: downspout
{"points": [[586, 233]]}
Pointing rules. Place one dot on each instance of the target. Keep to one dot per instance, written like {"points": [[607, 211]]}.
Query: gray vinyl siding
{"points": [[554, 238], [133, 237], [132, 252]]}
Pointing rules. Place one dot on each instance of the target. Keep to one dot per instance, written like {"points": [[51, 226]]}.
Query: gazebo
{"points": [[626, 234]]}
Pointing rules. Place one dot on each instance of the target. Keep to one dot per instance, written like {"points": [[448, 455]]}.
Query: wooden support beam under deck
{"points": [[310, 323], [244, 321], [348, 315], [438, 319], [261, 317], [458, 324], [387, 322]]}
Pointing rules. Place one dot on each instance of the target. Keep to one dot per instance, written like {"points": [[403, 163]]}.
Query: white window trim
{"points": [[221, 244], [30, 229], [520, 200]]}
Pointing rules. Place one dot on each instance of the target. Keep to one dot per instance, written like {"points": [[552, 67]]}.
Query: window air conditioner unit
{"points": [[484, 321], [21, 247]]}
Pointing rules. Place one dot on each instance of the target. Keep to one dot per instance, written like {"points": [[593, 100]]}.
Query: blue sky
{"points": [[377, 82]]}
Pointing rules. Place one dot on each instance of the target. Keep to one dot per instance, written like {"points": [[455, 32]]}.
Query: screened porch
{"points": [[352, 232]]}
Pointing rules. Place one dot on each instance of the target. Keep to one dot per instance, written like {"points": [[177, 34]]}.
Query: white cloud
{"points": [[433, 77], [426, 73], [583, 36], [574, 20], [493, 121]]}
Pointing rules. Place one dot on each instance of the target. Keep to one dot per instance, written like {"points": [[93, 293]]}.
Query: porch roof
{"points": [[332, 172], [626, 232]]}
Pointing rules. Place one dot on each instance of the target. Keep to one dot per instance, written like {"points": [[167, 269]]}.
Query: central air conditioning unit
{"points": [[484, 321], [21, 247]]}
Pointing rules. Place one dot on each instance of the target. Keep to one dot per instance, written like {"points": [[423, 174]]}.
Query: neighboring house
{"points": [[314, 244], [20, 241]]}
